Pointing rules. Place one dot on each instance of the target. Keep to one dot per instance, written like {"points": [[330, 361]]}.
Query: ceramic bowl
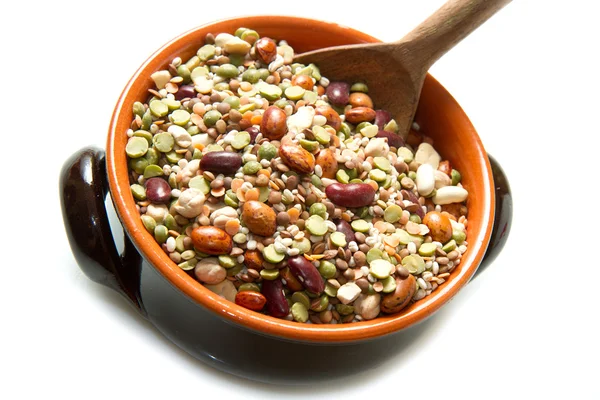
{"points": [[182, 308]]}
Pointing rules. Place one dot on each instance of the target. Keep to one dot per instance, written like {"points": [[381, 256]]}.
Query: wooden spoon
{"points": [[394, 72]]}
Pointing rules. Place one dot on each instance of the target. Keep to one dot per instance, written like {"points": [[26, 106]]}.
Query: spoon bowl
{"points": [[394, 72]]}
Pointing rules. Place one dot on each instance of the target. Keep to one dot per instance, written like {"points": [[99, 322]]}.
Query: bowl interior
{"points": [[438, 114]]}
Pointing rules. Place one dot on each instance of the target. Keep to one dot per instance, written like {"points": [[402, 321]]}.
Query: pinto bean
{"points": [[405, 290], [211, 240]]}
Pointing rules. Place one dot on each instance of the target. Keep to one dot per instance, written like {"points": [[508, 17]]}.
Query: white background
{"points": [[526, 328]]}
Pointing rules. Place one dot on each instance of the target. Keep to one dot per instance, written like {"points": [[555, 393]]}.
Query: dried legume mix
{"points": [[288, 194]]}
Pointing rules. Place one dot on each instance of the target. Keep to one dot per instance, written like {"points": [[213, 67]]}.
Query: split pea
{"points": [[299, 312], [392, 213], [360, 225]]}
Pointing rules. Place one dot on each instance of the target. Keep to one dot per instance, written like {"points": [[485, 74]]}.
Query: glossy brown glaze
{"points": [[192, 326], [84, 187], [439, 115], [502, 216]]}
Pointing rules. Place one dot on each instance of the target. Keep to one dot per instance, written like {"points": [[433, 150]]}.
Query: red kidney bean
{"points": [[394, 140], [338, 93], [185, 91], [221, 162], [350, 194], [345, 228], [419, 211], [253, 131], [158, 190], [306, 273], [382, 117], [277, 305]]}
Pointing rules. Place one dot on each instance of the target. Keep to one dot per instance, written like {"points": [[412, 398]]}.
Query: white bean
{"points": [[426, 154], [425, 179], [449, 195]]}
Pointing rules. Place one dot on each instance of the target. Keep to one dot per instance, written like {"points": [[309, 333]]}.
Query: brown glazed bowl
{"points": [[192, 316]]}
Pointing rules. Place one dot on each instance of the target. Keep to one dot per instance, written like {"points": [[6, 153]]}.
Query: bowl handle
{"points": [[83, 188], [503, 216]]}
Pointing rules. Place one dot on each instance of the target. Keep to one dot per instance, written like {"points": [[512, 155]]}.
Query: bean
{"points": [[185, 91], [439, 226], [211, 240], [394, 302], [333, 118], [450, 194], [253, 131], [393, 139], [357, 115], [304, 81], [296, 157], [209, 271], [426, 154], [382, 117], [425, 179], [221, 162], [277, 305], [253, 259], [273, 124], [338, 93], [266, 49], [259, 218], [291, 282], [306, 273], [344, 227], [410, 196], [158, 190], [224, 289], [251, 300], [350, 194], [329, 165], [367, 306], [358, 99]]}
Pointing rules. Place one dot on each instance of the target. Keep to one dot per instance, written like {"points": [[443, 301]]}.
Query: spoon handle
{"points": [[451, 23]]}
